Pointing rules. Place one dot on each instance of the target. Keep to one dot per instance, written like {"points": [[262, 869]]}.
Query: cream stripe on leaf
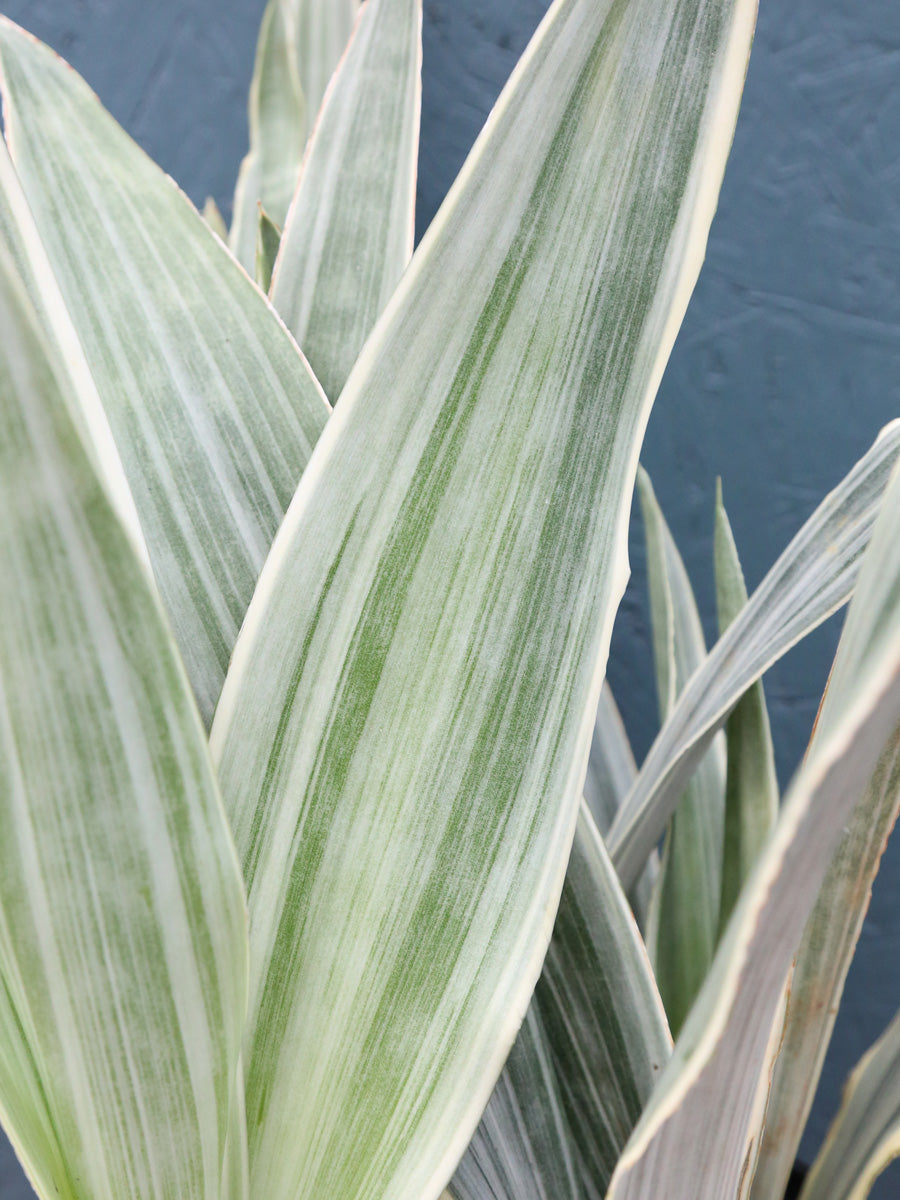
{"points": [[729, 1041], [404, 731], [683, 919], [213, 410], [123, 945], [585, 1062], [349, 233], [812, 578]]}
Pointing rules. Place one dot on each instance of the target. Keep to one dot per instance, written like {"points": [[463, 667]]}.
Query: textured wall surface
{"points": [[789, 359]]}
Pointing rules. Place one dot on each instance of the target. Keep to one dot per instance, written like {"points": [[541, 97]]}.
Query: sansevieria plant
{"points": [[310, 549]]}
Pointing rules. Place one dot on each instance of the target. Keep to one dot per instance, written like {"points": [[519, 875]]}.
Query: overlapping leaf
{"points": [[123, 946], [585, 1062], [610, 775], [728, 1044], [404, 732], [684, 909], [820, 970], [349, 234], [300, 42], [812, 579], [213, 409]]}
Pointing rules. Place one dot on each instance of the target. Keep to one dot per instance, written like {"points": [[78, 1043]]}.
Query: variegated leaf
{"points": [[727, 1047], [823, 960], [684, 908], [812, 578], [405, 728], [751, 790], [213, 409], [123, 944], [865, 1135], [349, 233], [610, 774], [585, 1062]]}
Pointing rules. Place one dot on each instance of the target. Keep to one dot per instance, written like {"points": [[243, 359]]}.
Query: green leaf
{"points": [[405, 728], [213, 409], [865, 1135], [684, 908], [268, 239], [585, 1062], [728, 1044], [123, 945], [821, 966], [278, 129], [812, 578], [349, 234], [610, 774], [751, 791]]}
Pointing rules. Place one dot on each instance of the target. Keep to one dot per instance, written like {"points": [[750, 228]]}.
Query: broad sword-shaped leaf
{"points": [[349, 233], [812, 578], [587, 1057], [404, 732], [213, 409], [712, 1096], [751, 790], [123, 946], [684, 908]]}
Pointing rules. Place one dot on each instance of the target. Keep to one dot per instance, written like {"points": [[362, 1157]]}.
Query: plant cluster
{"points": [[327, 870]]}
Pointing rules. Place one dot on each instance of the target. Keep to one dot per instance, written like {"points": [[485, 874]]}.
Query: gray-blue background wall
{"points": [[789, 359]]}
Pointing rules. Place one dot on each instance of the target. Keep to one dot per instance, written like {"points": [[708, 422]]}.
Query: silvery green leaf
{"points": [[278, 129], [349, 233], [751, 790], [712, 1097], [587, 1057], [611, 772], [213, 409], [123, 943], [864, 1137], [812, 578], [300, 43], [821, 966], [684, 908], [404, 732]]}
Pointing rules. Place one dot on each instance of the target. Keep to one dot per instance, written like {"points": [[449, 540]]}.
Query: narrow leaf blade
{"points": [[349, 233], [403, 736], [813, 577], [712, 1097], [684, 909], [213, 409], [865, 1135], [278, 130], [123, 946], [751, 790]]}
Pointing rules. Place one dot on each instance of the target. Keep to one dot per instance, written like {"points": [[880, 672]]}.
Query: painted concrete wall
{"points": [[789, 360]]}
